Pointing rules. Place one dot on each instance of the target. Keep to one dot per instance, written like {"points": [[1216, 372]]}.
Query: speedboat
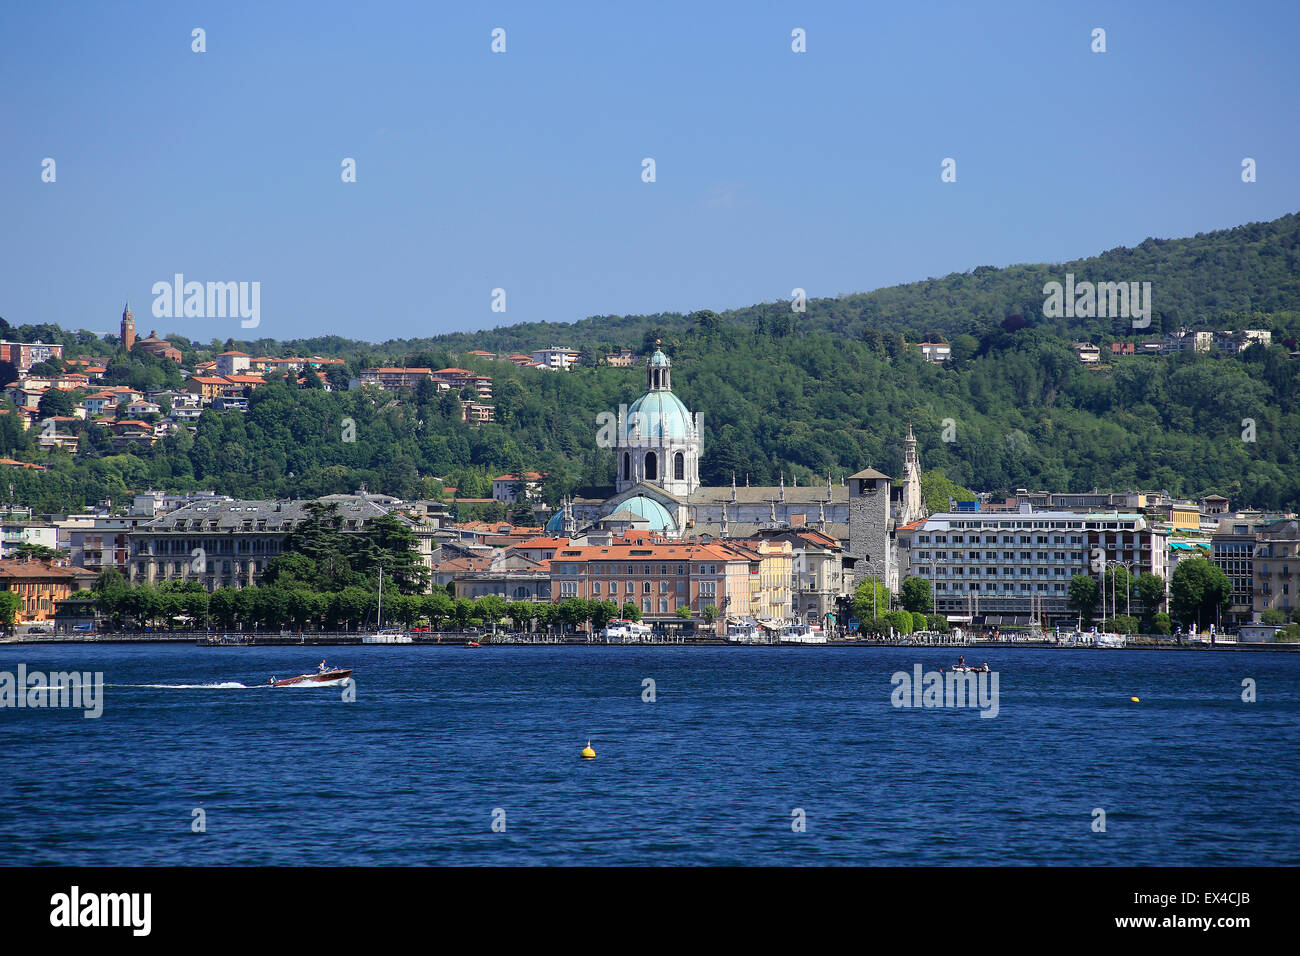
{"points": [[473, 644], [320, 677]]}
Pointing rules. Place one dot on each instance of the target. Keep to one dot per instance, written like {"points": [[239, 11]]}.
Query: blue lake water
{"points": [[711, 772]]}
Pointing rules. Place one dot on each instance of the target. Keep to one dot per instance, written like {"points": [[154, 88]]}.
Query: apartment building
{"points": [[457, 379], [1277, 568], [982, 564], [233, 363], [395, 379], [556, 359]]}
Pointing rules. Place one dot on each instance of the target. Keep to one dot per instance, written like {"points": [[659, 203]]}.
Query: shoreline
{"points": [[462, 642]]}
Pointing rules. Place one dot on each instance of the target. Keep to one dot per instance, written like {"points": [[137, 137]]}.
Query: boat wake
{"points": [[318, 683], [220, 685]]}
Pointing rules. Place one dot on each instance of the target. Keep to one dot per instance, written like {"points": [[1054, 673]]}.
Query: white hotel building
{"points": [[1011, 566]]}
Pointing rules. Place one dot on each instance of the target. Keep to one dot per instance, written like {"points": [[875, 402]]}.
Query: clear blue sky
{"points": [[523, 170]]}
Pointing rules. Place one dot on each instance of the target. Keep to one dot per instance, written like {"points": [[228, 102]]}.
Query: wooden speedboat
{"points": [[320, 677]]}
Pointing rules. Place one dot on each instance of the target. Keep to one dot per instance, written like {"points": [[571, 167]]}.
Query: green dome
{"points": [[557, 521], [664, 415], [659, 359], [652, 511]]}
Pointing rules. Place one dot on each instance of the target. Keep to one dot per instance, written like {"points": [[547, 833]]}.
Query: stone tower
{"points": [[128, 328], [869, 524]]}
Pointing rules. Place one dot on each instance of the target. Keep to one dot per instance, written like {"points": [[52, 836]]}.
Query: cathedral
{"points": [[657, 487]]}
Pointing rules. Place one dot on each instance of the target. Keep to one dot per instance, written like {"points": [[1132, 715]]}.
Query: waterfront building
{"points": [[818, 575], [1276, 579], [771, 577], [1234, 548], [507, 574], [659, 577], [1015, 566], [40, 585], [227, 542]]}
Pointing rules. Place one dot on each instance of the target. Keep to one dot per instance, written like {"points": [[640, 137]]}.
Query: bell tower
{"points": [[128, 328]]}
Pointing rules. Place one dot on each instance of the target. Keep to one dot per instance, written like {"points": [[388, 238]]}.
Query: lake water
{"points": [[440, 741]]}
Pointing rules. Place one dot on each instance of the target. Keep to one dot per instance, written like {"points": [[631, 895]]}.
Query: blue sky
{"points": [[522, 170]]}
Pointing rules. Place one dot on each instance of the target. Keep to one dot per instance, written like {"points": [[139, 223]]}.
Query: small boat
{"points": [[473, 644], [320, 677], [801, 634]]}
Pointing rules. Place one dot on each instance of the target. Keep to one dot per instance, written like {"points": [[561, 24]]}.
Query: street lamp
{"points": [[1128, 588]]}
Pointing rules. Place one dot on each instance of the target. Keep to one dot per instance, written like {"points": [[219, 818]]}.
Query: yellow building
{"points": [[771, 573]]}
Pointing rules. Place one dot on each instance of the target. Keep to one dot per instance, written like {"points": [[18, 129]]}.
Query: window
{"points": [[595, 585], [645, 587], [663, 605], [651, 466], [679, 467]]}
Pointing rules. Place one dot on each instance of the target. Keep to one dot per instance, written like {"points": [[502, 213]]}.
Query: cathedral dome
{"points": [[662, 416], [652, 511], [556, 524]]}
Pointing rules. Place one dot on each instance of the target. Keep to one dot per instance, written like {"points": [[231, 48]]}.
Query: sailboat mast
{"points": [[379, 624]]}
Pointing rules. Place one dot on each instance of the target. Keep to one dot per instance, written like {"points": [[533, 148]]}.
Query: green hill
{"points": [[804, 395]]}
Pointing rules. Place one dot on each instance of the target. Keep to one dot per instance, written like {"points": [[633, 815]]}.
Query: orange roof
{"points": [[651, 550], [544, 543], [245, 354], [36, 569]]}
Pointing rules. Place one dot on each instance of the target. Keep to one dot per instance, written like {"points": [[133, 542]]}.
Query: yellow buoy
{"points": [[1134, 699], [587, 752]]}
